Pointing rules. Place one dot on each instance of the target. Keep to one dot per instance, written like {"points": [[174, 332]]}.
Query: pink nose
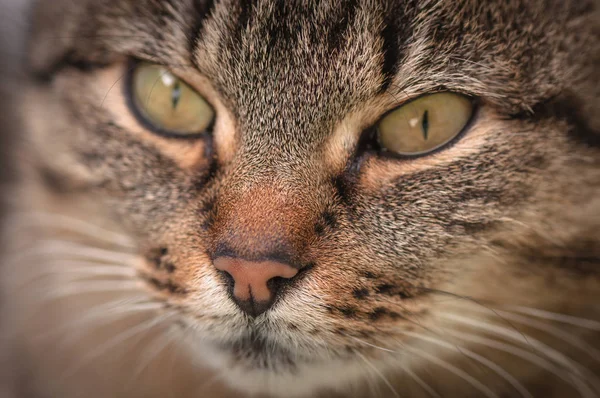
{"points": [[250, 279]]}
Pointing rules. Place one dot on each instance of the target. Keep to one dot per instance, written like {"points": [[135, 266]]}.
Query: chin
{"points": [[255, 363], [265, 373]]}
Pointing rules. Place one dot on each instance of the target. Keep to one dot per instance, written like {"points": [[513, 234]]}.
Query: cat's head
{"points": [[311, 188]]}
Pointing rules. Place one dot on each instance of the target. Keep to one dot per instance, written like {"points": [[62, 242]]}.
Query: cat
{"points": [[375, 198]]}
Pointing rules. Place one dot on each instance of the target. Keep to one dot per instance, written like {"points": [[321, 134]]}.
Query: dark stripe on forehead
{"points": [[398, 19], [340, 25], [395, 30], [203, 10], [391, 50], [244, 15]]}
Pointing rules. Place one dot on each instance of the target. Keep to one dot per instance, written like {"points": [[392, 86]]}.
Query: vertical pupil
{"points": [[425, 124], [176, 95]]}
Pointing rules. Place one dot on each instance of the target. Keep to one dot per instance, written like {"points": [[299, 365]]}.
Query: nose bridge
{"points": [[261, 221]]}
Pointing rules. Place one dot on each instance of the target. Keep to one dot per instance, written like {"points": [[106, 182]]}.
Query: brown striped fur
{"points": [[395, 255]]}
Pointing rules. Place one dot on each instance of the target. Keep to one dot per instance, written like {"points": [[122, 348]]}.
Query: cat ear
{"points": [[53, 30]]}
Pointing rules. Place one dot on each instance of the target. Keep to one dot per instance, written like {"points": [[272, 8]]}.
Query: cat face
{"points": [[293, 246]]}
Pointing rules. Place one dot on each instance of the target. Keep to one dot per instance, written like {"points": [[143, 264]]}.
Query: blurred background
{"points": [[13, 28]]}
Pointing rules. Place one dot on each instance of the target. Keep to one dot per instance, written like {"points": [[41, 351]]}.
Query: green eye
{"points": [[425, 124], [167, 103]]}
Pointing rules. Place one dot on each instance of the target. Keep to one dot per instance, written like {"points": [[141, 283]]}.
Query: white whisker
{"points": [[151, 355], [494, 367], [105, 312], [567, 337], [58, 247], [378, 373], [549, 352], [50, 220], [581, 387], [63, 267], [86, 287], [119, 338], [453, 369], [211, 381], [458, 372], [93, 269], [553, 316], [372, 345], [373, 386], [72, 275], [421, 383]]}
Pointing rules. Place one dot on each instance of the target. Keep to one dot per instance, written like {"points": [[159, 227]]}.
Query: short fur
{"points": [[469, 272]]}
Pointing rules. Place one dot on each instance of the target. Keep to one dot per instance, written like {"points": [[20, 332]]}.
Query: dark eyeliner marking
{"points": [[176, 95], [425, 124]]}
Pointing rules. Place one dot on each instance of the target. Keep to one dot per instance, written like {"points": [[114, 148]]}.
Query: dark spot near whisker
{"points": [[155, 261], [170, 267], [390, 290], [156, 257], [348, 311], [292, 326], [360, 293], [168, 285], [378, 313], [394, 315], [369, 275], [385, 288], [364, 333], [174, 288], [341, 331], [156, 283], [381, 312]]}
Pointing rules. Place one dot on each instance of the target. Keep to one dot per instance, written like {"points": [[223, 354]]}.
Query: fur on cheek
{"points": [[469, 272]]}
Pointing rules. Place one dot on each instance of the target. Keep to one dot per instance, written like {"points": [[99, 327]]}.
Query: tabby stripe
{"points": [[568, 107], [338, 31], [391, 50], [69, 60], [204, 9]]}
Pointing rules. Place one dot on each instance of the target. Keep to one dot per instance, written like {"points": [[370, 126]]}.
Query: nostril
{"points": [[277, 284], [228, 279]]}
